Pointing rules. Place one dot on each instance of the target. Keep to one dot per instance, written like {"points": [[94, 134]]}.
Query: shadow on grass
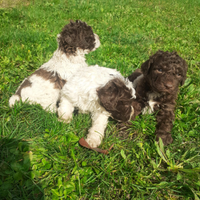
{"points": [[16, 178]]}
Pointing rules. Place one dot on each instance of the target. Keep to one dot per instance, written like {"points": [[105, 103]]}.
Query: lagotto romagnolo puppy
{"points": [[157, 85], [100, 91], [44, 85]]}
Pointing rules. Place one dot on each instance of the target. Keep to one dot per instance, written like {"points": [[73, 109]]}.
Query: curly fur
{"points": [[116, 98], [44, 85], [76, 35], [101, 91], [157, 85]]}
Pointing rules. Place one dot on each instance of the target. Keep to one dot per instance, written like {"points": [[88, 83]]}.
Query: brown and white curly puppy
{"points": [[100, 91], [157, 85], [44, 85]]}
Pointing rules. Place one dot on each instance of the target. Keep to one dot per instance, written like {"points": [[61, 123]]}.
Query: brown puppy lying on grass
{"points": [[157, 86]]}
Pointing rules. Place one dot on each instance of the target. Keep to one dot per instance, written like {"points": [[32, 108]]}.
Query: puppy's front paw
{"points": [[93, 141]]}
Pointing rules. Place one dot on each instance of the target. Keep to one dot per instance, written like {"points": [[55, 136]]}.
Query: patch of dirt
{"points": [[13, 3]]}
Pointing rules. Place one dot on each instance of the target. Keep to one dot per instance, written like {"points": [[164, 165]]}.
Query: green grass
{"points": [[40, 158]]}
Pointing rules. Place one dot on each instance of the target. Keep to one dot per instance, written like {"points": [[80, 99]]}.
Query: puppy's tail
{"points": [[13, 99]]}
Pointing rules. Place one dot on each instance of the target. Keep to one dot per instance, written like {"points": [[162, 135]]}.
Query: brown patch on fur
{"points": [[76, 35], [25, 84], [115, 97], [52, 77], [163, 73]]}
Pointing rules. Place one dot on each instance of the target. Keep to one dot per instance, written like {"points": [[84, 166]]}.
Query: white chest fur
{"points": [[151, 97], [151, 103]]}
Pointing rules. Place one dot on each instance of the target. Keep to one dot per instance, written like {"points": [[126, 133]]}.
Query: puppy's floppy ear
{"points": [[156, 58], [107, 95], [115, 97], [146, 66]]}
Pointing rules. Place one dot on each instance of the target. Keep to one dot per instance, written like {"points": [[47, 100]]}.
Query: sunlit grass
{"points": [[40, 157]]}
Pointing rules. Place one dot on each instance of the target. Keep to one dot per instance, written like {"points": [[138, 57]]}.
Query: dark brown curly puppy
{"points": [[157, 85]]}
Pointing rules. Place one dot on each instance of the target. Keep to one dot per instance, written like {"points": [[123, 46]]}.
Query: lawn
{"points": [[40, 157]]}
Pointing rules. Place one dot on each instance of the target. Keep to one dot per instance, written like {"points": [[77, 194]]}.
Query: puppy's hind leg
{"points": [[96, 132], [65, 110]]}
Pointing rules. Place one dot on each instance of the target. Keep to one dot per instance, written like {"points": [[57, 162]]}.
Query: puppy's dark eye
{"points": [[159, 70], [178, 74]]}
